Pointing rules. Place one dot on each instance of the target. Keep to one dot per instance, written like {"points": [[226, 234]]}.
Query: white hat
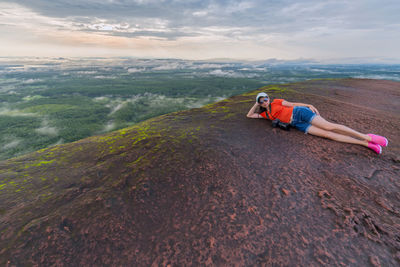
{"points": [[261, 95]]}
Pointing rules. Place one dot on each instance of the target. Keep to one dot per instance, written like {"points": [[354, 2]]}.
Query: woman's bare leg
{"points": [[321, 123], [336, 136]]}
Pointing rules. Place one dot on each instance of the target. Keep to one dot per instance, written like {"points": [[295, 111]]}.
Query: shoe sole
{"points": [[387, 142]]}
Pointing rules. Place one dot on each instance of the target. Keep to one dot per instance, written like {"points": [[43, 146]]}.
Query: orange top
{"points": [[278, 111]]}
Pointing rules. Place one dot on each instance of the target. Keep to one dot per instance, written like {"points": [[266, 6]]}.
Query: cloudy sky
{"points": [[206, 29]]}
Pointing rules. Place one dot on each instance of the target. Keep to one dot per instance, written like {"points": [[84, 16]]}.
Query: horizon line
{"points": [[304, 61]]}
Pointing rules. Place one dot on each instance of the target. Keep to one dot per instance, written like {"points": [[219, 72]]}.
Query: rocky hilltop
{"points": [[209, 186]]}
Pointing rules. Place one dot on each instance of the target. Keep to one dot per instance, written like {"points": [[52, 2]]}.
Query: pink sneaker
{"points": [[379, 140], [375, 147]]}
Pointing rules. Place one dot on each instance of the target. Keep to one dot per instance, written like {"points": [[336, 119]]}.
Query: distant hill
{"points": [[208, 186]]}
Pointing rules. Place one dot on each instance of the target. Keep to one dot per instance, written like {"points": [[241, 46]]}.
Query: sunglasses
{"points": [[265, 100]]}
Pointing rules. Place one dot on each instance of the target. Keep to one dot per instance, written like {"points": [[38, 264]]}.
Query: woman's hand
{"points": [[252, 113], [313, 109]]}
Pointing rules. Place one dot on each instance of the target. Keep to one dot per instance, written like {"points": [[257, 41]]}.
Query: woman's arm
{"points": [[252, 113], [291, 104]]}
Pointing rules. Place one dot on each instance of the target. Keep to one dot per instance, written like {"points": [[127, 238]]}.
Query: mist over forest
{"points": [[49, 101]]}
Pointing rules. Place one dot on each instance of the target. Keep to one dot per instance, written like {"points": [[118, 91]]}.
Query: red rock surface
{"points": [[210, 187]]}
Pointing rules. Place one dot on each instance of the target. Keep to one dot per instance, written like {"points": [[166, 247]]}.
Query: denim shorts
{"points": [[301, 118]]}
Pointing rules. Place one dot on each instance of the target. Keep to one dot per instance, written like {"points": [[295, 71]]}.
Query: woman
{"points": [[306, 118]]}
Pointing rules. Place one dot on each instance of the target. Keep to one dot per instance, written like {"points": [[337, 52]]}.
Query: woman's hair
{"points": [[261, 109]]}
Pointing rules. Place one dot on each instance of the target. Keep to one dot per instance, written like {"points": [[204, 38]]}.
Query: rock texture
{"points": [[210, 187]]}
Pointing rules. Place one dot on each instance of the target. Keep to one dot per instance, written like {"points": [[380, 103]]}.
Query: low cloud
{"points": [[170, 66], [379, 77], [157, 101], [222, 73], [116, 105], [11, 143], [15, 113], [232, 74], [29, 81], [105, 77], [198, 103], [101, 99], [33, 97], [46, 129], [134, 70], [86, 72], [109, 126], [209, 66]]}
